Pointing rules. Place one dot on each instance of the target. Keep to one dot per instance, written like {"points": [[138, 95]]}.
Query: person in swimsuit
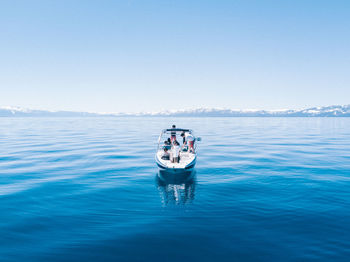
{"points": [[173, 134]]}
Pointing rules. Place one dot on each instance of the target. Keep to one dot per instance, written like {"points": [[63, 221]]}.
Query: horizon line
{"points": [[27, 109]]}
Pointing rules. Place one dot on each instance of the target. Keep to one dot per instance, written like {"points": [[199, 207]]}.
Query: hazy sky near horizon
{"points": [[112, 56]]}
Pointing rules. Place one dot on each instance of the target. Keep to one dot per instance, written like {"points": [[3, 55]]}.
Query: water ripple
{"points": [[264, 189]]}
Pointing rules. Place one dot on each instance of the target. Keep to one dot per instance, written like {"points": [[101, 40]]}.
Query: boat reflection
{"points": [[176, 188]]}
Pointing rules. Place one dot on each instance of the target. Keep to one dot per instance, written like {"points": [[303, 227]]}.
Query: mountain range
{"points": [[326, 111]]}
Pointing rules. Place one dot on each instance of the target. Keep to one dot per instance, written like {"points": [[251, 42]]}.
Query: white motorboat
{"points": [[187, 159]]}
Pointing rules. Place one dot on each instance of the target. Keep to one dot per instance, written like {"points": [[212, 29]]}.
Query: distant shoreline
{"points": [[328, 111]]}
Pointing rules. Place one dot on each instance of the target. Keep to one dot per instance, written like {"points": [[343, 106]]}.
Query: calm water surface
{"points": [[88, 189]]}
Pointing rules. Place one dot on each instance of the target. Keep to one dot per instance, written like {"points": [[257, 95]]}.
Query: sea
{"points": [[88, 189]]}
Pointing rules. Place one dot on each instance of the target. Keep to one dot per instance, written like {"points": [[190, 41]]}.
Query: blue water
{"points": [[88, 189]]}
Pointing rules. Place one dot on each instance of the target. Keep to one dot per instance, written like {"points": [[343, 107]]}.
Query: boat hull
{"points": [[176, 178], [174, 167]]}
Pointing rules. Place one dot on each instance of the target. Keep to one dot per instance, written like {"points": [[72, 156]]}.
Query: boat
{"points": [[187, 159]]}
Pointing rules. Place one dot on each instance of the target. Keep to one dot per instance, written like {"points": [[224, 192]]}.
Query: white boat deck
{"points": [[185, 159]]}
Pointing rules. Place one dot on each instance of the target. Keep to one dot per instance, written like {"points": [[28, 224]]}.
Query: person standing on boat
{"points": [[173, 134], [188, 139], [176, 152]]}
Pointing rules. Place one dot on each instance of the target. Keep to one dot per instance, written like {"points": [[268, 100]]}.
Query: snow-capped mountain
{"points": [[10, 111], [328, 111]]}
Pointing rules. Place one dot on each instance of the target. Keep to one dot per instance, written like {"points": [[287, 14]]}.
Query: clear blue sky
{"points": [[112, 56]]}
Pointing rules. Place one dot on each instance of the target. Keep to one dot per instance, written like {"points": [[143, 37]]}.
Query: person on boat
{"points": [[167, 143], [188, 139], [176, 152], [173, 134], [166, 155]]}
